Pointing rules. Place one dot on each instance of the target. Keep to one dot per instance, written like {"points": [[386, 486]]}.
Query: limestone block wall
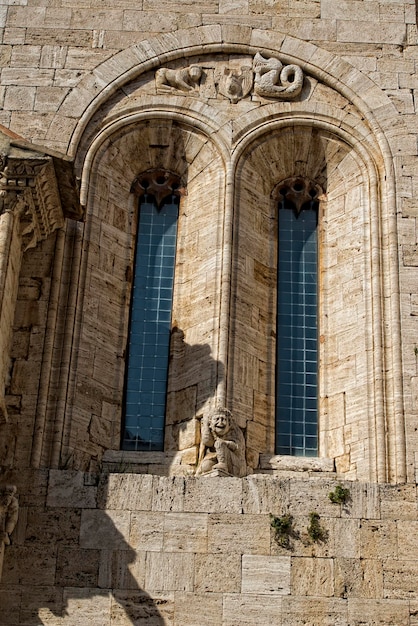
{"points": [[141, 549]]}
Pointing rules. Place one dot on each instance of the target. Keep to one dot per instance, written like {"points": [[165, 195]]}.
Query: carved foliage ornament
{"points": [[267, 77]]}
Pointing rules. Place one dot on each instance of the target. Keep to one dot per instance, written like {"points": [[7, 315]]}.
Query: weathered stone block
{"points": [[312, 577], [400, 578], [108, 530], [246, 610], [241, 534], [265, 575], [130, 606], [77, 568], [186, 532], [377, 612], [147, 531], [217, 573], [125, 491], [169, 572], [261, 495], [202, 609], [213, 494], [378, 539], [69, 486]]}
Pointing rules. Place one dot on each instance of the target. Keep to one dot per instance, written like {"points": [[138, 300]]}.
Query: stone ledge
{"points": [[296, 464], [133, 462], [122, 461]]}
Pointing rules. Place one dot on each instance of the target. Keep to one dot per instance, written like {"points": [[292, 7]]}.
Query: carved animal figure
{"points": [[272, 80], [184, 79]]}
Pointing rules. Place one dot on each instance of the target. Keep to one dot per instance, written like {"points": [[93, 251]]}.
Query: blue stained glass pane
{"points": [[152, 294], [297, 350]]}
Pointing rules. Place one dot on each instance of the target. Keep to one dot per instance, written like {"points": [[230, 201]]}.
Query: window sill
{"points": [[135, 462], [296, 463]]}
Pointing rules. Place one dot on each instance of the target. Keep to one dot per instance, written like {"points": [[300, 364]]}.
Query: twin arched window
{"points": [[151, 304]]}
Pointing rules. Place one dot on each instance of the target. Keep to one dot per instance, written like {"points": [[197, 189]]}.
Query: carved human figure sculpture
{"points": [[9, 511], [222, 445]]}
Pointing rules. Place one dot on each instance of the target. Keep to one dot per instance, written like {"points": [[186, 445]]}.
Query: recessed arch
{"points": [[350, 172], [114, 162]]}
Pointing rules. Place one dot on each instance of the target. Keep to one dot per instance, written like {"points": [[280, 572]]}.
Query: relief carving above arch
{"points": [[265, 77]]}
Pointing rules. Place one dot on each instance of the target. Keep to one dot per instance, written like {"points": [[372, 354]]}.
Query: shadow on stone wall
{"points": [[192, 390], [71, 562]]}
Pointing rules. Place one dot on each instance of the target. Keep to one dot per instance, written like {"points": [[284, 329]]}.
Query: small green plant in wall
{"points": [[340, 495], [315, 530], [283, 529]]}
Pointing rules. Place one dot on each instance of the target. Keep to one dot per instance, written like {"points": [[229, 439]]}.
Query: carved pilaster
{"points": [[37, 191]]}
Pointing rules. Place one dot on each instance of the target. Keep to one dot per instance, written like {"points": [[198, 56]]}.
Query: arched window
{"points": [[297, 319], [151, 304]]}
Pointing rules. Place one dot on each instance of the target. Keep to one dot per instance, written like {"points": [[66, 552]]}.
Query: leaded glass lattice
{"points": [[149, 337], [297, 328]]}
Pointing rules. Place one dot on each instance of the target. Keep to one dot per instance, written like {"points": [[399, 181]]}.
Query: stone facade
{"points": [[151, 550], [233, 98]]}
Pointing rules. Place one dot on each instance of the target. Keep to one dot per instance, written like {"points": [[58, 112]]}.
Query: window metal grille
{"points": [[297, 325]]}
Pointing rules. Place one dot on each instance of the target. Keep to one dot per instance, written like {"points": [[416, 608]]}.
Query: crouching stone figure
{"points": [[222, 445], [9, 511]]}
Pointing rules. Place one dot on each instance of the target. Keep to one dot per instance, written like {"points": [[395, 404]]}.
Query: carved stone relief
{"points": [[267, 77], [235, 86], [273, 80], [186, 79], [222, 446], [30, 189]]}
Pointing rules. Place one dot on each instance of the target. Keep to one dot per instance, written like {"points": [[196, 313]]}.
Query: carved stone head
{"points": [[195, 73], [220, 422]]}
